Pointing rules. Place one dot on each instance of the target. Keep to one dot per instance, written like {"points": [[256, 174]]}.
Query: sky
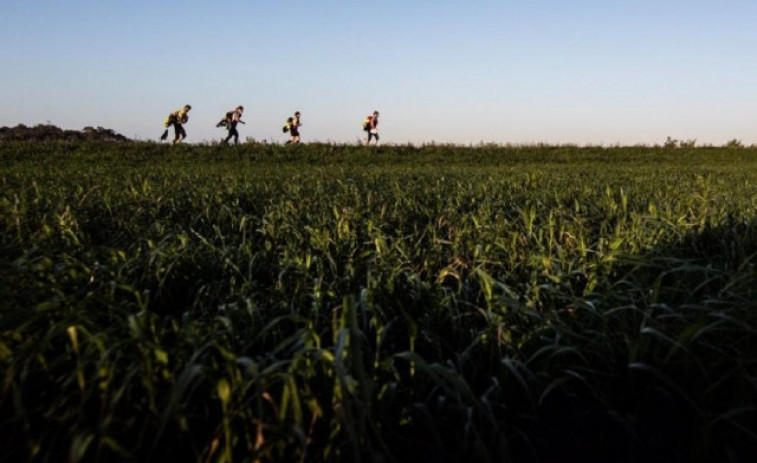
{"points": [[466, 72]]}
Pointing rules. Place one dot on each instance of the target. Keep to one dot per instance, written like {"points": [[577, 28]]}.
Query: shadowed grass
{"points": [[339, 303]]}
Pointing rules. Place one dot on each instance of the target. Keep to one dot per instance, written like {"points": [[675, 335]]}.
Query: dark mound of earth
{"points": [[48, 132]]}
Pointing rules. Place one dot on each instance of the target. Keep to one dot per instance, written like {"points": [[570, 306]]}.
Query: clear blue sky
{"points": [[517, 71]]}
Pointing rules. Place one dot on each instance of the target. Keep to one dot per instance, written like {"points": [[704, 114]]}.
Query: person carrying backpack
{"points": [[177, 119], [293, 126], [230, 121], [370, 125]]}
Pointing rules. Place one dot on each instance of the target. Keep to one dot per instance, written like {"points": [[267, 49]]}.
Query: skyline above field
{"points": [[618, 72]]}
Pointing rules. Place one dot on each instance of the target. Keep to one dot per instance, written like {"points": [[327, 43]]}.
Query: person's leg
{"points": [[232, 131], [180, 133]]}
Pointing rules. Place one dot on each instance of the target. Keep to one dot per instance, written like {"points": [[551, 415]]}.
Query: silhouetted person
{"points": [[370, 125], [293, 123], [177, 119], [232, 119]]}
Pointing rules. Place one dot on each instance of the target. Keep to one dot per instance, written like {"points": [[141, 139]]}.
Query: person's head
{"points": [[240, 108], [297, 114], [375, 113], [187, 107]]}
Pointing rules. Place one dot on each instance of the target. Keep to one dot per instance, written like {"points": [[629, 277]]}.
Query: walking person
{"points": [[370, 125], [177, 119], [294, 128], [230, 121]]}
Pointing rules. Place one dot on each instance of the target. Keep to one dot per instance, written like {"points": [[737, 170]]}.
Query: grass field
{"points": [[399, 303]]}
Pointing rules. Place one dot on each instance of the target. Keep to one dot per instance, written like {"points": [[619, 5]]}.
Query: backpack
{"points": [[169, 120], [287, 125], [226, 120], [367, 123]]}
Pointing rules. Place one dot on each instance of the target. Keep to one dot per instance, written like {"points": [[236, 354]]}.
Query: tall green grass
{"points": [[343, 303]]}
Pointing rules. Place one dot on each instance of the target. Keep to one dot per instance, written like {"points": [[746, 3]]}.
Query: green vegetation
{"points": [[341, 303]]}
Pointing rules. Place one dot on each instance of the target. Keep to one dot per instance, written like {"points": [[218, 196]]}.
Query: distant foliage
{"points": [[737, 144], [673, 143], [52, 133]]}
